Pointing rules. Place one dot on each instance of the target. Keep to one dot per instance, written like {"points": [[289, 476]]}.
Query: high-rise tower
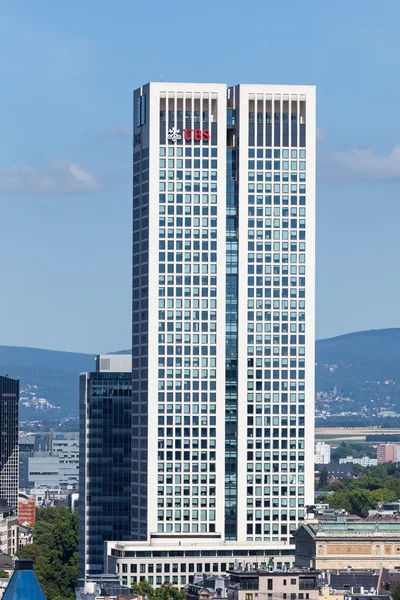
{"points": [[223, 315], [9, 398]]}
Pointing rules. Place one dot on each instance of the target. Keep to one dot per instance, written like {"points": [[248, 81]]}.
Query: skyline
{"points": [[65, 172]]}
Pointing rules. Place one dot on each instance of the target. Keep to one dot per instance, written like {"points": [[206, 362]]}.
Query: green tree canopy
{"points": [[396, 591], [55, 551], [164, 592]]}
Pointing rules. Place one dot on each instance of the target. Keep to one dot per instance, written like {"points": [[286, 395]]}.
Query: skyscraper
{"points": [[9, 398], [223, 321], [104, 459]]}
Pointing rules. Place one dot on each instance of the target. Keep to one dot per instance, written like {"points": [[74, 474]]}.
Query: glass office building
{"points": [[104, 460], [9, 398]]}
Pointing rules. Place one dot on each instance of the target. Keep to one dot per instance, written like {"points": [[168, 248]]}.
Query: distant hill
{"points": [[359, 371], [353, 371], [54, 373]]}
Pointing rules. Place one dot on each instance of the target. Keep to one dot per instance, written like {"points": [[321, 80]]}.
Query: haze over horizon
{"points": [[65, 161]]}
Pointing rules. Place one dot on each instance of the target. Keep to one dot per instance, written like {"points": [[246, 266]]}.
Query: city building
{"points": [[163, 561], [207, 588], [343, 585], [8, 530], [65, 446], [26, 509], [223, 324], [343, 545], [9, 398], [295, 584], [105, 587], [50, 459], [364, 461], [335, 471], [105, 460], [387, 453], [48, 496], [322, 453]]}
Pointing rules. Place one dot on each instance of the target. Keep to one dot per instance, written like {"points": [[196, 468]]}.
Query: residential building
{"points": [[223, 319], [364, 461], [26, 509], [9, 398], [387, 453], [335, 471], [105, 460], [8, 530], [322, 453], [359, 545], [250, 583]]}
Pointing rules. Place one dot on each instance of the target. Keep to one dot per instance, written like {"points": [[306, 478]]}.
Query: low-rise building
{"points": [[48, 496], [364, 461], [8, 530], [26, 509], [340, 545], [159, 562], [207, 588], [293, 584], [335, 471], [103, 587]]}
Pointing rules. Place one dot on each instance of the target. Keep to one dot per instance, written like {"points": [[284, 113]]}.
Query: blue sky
{"points": [[68, 70]]}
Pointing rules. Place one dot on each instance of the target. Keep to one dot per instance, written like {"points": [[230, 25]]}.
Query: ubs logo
{"points": [[196, 134]]}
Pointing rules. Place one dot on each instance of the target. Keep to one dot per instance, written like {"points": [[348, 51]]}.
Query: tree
{"points": [[143, 588], [396, 591], [323, 479], [55, 551], [167, 590], [3, 574], [164, 592]]}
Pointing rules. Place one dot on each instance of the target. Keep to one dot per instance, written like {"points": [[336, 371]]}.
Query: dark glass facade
{"points": [[9, 397], [104, 466], [231, 355]]}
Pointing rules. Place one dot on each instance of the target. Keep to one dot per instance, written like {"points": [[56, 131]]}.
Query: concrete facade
{"points": [[360, 545]]}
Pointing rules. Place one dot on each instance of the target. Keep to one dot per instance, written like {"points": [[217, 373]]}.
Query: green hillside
{"points": [[352, 371]]}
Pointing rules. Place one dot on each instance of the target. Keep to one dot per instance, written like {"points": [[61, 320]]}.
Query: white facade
{"points": [[364, 461], [160, 561], [322, 454], [223, 313], [115, 363]]}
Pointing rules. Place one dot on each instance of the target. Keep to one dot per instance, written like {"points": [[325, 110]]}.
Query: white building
{"points": [[364, 461], [223, 325], [322, 453]]}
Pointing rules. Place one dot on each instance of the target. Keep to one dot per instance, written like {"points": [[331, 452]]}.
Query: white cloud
{"points": [[60, 177], [362, 165], [321, 134]]}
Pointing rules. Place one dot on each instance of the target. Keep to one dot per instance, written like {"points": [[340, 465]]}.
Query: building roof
{"points": [[342, 528], [23, 586], [345, 580], [368, 597]]}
